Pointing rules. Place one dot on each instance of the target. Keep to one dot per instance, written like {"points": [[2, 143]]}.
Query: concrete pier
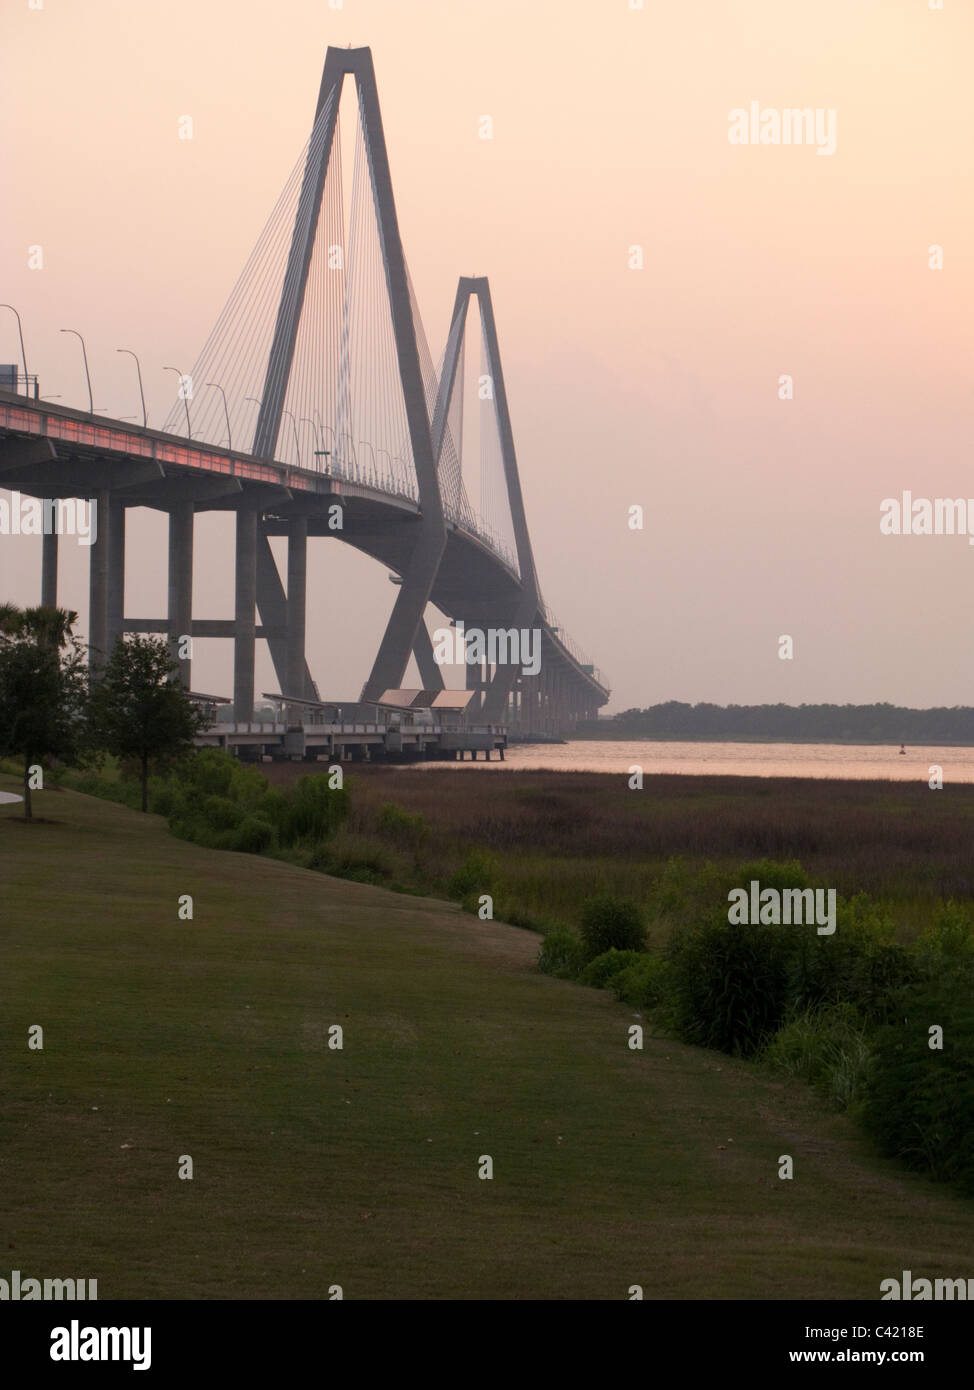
{"points": [[245, 620], [180, 608], [297, 588]]}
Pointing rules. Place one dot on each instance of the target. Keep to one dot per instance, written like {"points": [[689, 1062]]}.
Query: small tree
{"points": [[43, 687], [139, 708]]}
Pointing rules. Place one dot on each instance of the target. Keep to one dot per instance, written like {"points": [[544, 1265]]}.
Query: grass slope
{"points": [[359, 1167]]}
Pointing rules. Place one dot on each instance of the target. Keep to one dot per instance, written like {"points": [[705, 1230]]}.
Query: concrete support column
{"points": [[180, 614], [475, 682], [533, 692], [297, 597], [245, 624], [49, 569], [98, 560], [116, 571]]}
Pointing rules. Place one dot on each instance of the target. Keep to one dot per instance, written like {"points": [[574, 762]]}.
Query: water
{"points": [[736, 759]]}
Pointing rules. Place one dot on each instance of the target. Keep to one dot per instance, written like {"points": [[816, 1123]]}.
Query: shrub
{"points": [[920, 1105], [562, 954], [730, 984], [254, 835], [476, 874], [402, 826], [948, 943], [248, 787], [314, 810], [220, 813], [611, 924], [859, 965], [644, 983], [600, 971], [209, 771], [826, 1046], [357, 858]]}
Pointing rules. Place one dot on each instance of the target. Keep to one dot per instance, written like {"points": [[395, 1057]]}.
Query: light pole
{"points": [[23, 355], [388, 476], [254, 401], [297, 442], [189, 428], [138, 368], [374, 467], [353, 471], [217, 387], [84, 353]]}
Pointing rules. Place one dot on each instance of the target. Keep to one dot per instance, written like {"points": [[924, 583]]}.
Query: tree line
{"points": [[881, 723]]}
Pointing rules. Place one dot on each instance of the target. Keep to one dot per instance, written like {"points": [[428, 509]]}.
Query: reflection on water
{"points": [[736, 760]]}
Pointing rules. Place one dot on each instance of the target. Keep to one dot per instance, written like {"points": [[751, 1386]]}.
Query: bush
{"points": [[828, 1047], [401, 826], [562, 954], [611, 924], [254, 835], [476, 874], [357, 858], [948, 944], [210, 771], [644, 984], [314, 810], [220, 813], [920, 1105], [600, 971], [860, 964], [730, 984]]}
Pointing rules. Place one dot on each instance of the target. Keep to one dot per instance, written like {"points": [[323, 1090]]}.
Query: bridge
{"points": [[321, 363]]}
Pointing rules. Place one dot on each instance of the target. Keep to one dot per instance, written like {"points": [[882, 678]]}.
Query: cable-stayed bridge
{"points": [[315, 409]]}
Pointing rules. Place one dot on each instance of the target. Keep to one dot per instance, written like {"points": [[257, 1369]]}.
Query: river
{"points": [[853, 761]]}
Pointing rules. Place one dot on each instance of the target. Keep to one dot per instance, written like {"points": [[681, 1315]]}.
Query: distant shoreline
{"points": [[633, 736]]}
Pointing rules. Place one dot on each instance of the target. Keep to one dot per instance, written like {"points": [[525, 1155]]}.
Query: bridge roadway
{"points": [[52, 451]]}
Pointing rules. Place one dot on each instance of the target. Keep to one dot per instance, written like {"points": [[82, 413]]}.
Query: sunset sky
{"points": [[656, 386]]}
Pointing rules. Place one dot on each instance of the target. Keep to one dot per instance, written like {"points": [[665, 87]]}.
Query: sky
{"points": [[653, 283]]}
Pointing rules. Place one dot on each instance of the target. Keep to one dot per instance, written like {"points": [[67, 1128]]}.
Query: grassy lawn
{"points": [[359, 1167]]}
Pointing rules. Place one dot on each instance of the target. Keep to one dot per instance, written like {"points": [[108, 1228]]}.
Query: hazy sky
{"points": [[656, 386]]}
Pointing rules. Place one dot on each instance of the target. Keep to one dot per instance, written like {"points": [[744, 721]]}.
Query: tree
{"points": [[43, 687], [139, 708]]}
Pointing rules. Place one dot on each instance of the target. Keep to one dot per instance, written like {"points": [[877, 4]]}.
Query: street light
{"points": [[189, 428], [217, 387], [353, 472], [254, 401], [84, 353], [388, 476], [23, 355], [138, 368], [374, 467], [297, 442]]}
